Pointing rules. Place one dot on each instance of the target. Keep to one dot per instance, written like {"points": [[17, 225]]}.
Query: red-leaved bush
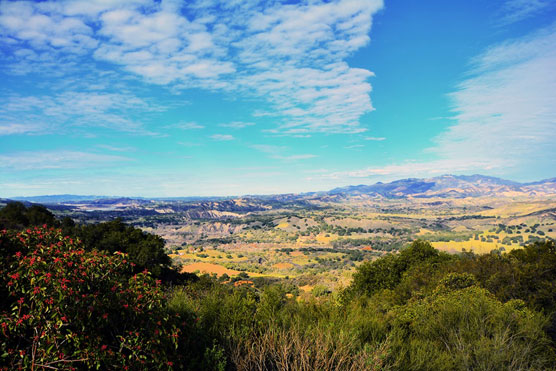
{"points": [[62, 307]]}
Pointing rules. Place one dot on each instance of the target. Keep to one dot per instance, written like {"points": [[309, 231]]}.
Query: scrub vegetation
{"points": [[72, 302]]}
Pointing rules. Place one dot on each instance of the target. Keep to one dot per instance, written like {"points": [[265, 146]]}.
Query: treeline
{"points": [[68, 306]]}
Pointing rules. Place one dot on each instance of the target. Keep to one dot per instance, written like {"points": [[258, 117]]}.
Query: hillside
{"points": [[451, 186], [445, 186]]}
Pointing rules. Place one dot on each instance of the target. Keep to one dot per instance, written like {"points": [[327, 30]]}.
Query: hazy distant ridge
{"points": [[445, 186], [450, 186]]}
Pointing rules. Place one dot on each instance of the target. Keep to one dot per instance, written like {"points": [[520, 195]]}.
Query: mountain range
{"points": [[445, 186], [451, 186]]}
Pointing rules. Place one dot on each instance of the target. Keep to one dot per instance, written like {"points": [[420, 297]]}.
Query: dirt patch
{"points": [[283, 265], [243, 282], [306, 288], [209, 268]]}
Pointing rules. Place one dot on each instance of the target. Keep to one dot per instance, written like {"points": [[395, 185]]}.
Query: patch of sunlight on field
{"points": [[186, 255], [424, 231], [209, 268], [212, 256], [325, 239], [478, 247], [331, 255], [519, 208], [460, 228], [301, 260], [283, 265], [306, 288], [283, 225]]}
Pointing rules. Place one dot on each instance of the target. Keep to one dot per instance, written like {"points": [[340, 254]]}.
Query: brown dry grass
{"points": [[279, 349], [209, 268], [283, 265]]}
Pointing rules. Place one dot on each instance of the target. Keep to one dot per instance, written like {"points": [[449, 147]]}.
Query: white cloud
{"points": [[517, 10], [186, 126], [73, 109], [43, 31], [278, 152], [504, 118], [505, 112], [296, 157], [410, 169], [11, 128], [41, 160], [354, 146], [189, 144], [237, 124], [378, 139], [117, 148], [292, 55], [222, 137]]}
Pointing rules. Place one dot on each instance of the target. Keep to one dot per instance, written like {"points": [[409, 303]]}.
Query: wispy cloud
{"points": [[504, 117], [296, 157], [189, 144], [237, 124], [117, 148], [518, 10], [41, 160], [11, 128], [222, 137], [408, 169], [378, 139], [279, 152], [186, 126], [49, 114], [292, 55], [506, 110]]}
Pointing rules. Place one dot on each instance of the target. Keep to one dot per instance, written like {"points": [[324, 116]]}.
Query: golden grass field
{"points": [[478, 247], [274, 249], [209, 268]]}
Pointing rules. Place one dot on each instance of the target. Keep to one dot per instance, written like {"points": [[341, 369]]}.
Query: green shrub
{"points": [[67, 308], [387, 272], [468, 329]]}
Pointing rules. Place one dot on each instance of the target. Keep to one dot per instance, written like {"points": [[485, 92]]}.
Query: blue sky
{"points": [[197, 98]]}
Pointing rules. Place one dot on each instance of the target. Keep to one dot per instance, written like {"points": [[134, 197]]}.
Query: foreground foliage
{"points": [[68, 304], [407, 311], [144, 250], [65, 307]]}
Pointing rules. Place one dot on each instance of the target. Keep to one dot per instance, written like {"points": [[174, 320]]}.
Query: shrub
{"points": [[387, 272], [468, 329], [16, 215], [68, 308]]}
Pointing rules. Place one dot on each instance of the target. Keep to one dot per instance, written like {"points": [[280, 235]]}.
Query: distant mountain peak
{"points": [[449, 186]]}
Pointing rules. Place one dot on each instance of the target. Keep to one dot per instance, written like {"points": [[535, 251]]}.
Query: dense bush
{"points": [[417, 310], [16, 216], [387, 272], [144, 249], [249, 329], [63, 307], [68, 305], [468, 329]]}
